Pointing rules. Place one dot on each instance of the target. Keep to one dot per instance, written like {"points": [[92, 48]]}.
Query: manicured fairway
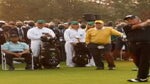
{"points": [[65, 75]]}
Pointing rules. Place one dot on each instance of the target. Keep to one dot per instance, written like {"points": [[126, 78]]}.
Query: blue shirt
{"points": [[10, 46]]}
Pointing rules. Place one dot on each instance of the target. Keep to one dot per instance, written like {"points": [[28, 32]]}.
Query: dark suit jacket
{"points": [[25, 30]]}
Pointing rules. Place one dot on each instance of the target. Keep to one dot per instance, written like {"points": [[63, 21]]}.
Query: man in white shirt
{"points": [[35, 35], [72, 35]]}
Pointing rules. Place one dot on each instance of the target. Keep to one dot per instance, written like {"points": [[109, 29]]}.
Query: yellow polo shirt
{"points": [[101, 36]]}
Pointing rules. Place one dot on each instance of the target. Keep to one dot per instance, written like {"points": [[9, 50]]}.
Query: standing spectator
{"points": [[1, 24], [139, 42], [35, 35], [6, 33], [22, 32], [61, 29], [100, 37], [90, 25], [31, 24], [21, 29], [2, 38], [66, 24], [120, 43]]}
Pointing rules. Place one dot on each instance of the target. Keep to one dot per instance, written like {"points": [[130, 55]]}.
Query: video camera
{"points": [[91, 17]]}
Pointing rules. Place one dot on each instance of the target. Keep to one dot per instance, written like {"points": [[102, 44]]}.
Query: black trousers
{"points": [[62, 51], [141, 51], [97, 54], [9, 59]]}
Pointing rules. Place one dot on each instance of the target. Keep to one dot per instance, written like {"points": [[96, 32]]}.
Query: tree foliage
{"points": [[64, 9]]}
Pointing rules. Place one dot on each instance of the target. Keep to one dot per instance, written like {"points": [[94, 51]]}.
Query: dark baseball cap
{"points": [[129, 17]]}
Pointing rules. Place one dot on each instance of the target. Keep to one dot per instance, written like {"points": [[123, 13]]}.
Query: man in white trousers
{"points": [[72, 35], [35, 35]]}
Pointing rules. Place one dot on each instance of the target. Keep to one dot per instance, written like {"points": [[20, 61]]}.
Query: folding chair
{"points": [[4, 63]]}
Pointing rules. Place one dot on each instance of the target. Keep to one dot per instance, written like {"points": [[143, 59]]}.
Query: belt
{"points": [[142, 43], [99, 44]]}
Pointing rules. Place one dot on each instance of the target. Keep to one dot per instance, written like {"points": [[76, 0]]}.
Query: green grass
{"points": [[66, 75]]}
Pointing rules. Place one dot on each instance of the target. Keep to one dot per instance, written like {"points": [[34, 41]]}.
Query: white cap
{"points": [[1, 21]]}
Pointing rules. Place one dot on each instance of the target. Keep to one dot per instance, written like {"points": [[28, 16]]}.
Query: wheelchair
{"points": [[82, 55], [49, 53]]}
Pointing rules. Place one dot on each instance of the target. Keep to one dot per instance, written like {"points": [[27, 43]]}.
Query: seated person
{"points": [[14, 48]]}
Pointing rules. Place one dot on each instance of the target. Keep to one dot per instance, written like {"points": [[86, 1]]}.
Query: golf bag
{"points": [[49, 53], [82, 55]]}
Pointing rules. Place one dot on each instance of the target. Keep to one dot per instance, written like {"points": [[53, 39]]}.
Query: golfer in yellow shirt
{"points": [[99, 41]]}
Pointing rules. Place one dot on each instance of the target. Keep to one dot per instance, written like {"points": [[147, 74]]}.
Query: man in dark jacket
{"points": [[138, 36]]}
